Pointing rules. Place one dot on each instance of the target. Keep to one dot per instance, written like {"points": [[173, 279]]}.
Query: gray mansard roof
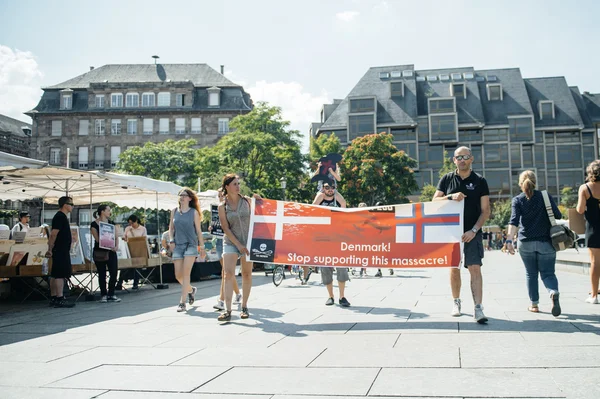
{"points": [[200, 75], [519, 97], [13, 126]]}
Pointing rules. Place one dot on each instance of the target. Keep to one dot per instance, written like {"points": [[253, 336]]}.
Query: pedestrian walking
{"points": [[185, 238], [234, 214], [588, 204], [59, 248], [530, 218], [220, 305], [465, 185], [327, 197], [105, 259]]}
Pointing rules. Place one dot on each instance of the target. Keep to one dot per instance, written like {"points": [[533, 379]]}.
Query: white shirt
{"points": [[131, 232], [19, 227]]}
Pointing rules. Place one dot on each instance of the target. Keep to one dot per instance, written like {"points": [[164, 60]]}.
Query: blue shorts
{"points": [[231, 249], [184, 250]]}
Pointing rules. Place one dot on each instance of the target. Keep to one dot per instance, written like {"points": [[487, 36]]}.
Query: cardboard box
{"points": [[9, 271], [124, 263], [576, 221], [32, 270]]}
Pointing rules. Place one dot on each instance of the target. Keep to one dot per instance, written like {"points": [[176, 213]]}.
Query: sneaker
{"points": [[237, 299], [63, 303], [344, 302], [113, 299], [103, 299], [378, 274], [135, 287], [52, 301], [479, 316], [329, 302], [556, 311], [361, 273], [181, 307], [220, 305], [456, 308], [391, 272], [592, 300], [192, 296]]}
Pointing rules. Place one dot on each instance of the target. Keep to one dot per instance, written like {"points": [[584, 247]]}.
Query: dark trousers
{"points": [[111, 265], [125, 274]]}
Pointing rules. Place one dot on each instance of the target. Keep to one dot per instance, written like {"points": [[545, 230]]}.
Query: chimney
{"points": [[91, 68], [222, 69]]}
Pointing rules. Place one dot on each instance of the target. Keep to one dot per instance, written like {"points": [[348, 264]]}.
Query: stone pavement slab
{"points": [[50, 393]]}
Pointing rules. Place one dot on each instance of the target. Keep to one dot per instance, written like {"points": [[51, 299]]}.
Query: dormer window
{"points": [[441, 105], [358, 105], [546, 109], [214, 96], [494, 92], [66, 99], [456, 76], [408, 73], [384, 75], [458, 90], [396, 89], [396, 74]]}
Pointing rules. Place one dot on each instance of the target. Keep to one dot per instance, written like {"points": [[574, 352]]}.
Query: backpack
{"points": [[561, 236]]}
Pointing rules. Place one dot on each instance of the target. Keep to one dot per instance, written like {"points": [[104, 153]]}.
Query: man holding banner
{"points": [[327, 197], [464, 184]]}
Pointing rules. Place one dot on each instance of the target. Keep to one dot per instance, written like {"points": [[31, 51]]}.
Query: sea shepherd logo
{"points": [[262, 250]]}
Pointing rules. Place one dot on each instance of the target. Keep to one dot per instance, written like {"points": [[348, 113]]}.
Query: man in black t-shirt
{"points": [[465, 185], [59, 248]]}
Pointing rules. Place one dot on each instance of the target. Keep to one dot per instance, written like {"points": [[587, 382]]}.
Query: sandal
{"points": [[534, 309], [244, 314], [225, 316]]}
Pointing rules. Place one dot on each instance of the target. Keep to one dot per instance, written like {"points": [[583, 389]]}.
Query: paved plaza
{"points": [[397, 340]]}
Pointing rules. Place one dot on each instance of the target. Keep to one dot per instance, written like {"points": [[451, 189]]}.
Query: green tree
{"points": [[261, 149], [568, 197], [323, 145], [500, 216], [171, 161], [376, 171], [448, 166], [427, 193]]}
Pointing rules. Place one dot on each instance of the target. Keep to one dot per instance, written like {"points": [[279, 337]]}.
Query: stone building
{"points": [[510, 123], [15, 136], [87, 121]]}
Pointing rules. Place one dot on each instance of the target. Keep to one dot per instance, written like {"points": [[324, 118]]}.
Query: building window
{"points": [[148, 126], [498, 182], [115, 152], [99, 125], [527, 156], [57, 128], [83, 157], [431, 156], [546, 109], [396, 74], [359, 125], [495, 156], [196, 126], [588, 155], [147, 99], [163, 126], [55, 158], [84, 217], [180, 99], [521, 129], [491, 135], [115, 127], [132, 100], [223, 126], [456, 76], [132, 126], [396, 89], [409, 148], [99, 157], [567, 137], [587, 138], [408, 73], [404, 134], [99, 99], [164, 99], [213, 99], [515, 155], [440, 106], [443, 127], [116, 100], [84, 127], [568, 156], [67, 101], [180, 125], [494, 92], [470, 136], [570, 179], [423, 130], [362, 105], [459, 90]]}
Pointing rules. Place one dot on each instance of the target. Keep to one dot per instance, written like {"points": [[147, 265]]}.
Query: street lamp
{"points": [[283, 183]]}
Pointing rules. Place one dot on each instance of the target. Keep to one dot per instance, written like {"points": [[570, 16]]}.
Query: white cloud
{"points": [[347, 16], [298, 106], [20, 79]]}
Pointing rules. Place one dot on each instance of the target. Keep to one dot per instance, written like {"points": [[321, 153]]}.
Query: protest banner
{"points": [[419, 235]]}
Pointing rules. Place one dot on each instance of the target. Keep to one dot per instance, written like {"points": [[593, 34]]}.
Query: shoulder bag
{"points": [[561, 236]]}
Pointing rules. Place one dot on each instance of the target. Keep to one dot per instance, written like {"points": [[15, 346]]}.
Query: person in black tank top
{"points": [[589, 205]]}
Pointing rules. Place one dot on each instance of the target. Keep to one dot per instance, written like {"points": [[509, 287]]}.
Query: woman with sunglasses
{"points": [[185, 233], [234, 215]]}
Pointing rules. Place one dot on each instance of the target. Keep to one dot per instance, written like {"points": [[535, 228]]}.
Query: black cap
{"points": [[23, 214]]}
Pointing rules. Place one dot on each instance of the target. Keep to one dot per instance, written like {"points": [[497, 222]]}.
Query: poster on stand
{"points": [[107, 235], [76, 250], [85, 236]]}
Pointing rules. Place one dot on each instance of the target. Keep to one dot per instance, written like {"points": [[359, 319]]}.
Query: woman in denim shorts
{"points": [[184, 232]]}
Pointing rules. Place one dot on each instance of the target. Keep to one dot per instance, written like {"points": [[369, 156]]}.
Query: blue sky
{"points": [[297, 55]]}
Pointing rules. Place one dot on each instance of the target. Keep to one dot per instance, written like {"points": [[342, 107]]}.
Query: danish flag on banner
{"points": [[429, 222]]}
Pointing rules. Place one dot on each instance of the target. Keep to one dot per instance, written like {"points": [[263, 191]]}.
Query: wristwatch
{"points": [[475, 230], [449, 197]]}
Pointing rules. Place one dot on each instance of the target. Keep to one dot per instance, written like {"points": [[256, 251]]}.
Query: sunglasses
{"points": [[70, 203], [463, 157]]}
